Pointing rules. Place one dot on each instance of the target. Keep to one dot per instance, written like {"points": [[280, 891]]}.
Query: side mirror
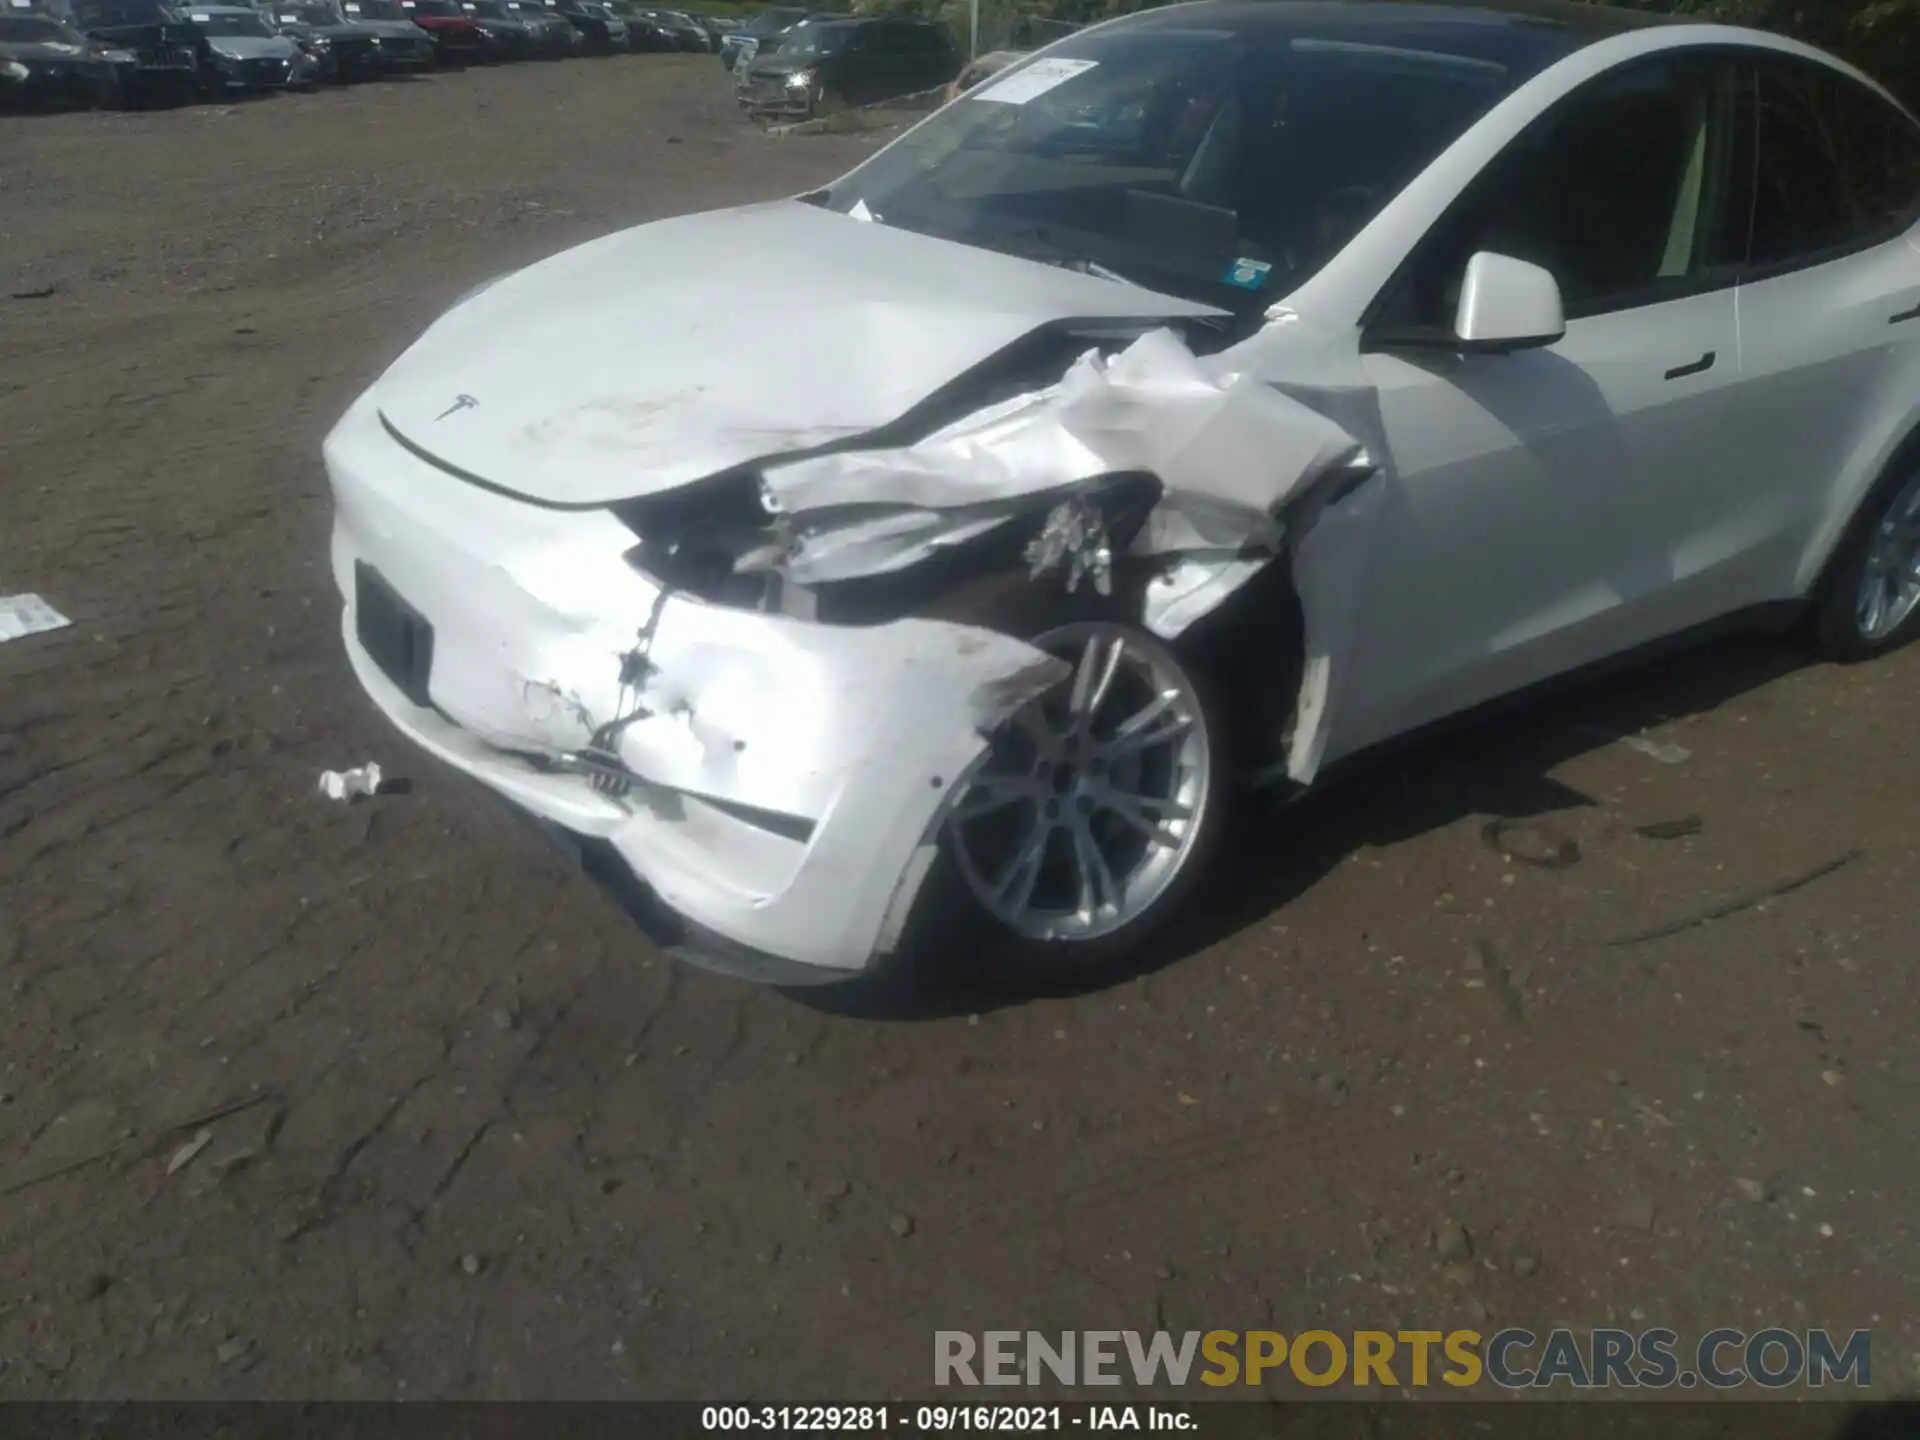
{"points": [[1508, 304]]}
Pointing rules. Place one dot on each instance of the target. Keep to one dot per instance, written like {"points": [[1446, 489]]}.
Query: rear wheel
{"points": [[1870, 600], [1096, 811]]}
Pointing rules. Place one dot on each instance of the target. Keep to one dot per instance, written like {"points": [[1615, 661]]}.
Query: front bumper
{"points": [[65, 84], [788, 779], [777, 100], [403, 54], [267, 74]]}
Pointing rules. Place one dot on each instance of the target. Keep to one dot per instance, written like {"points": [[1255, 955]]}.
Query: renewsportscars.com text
{"points": [[1513, 1358]]}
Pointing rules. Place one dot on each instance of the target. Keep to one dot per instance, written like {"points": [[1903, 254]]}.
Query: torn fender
{"points": [[1221, 444], [1247, 469]]}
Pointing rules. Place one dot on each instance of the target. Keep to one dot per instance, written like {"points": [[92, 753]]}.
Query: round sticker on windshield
{"points": [[1248, 274]]}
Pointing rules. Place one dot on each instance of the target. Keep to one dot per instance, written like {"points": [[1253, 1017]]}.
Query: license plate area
{"points": [[395, 636]]}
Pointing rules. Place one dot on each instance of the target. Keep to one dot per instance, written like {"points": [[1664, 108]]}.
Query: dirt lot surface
{"points": [[305, 1099]]}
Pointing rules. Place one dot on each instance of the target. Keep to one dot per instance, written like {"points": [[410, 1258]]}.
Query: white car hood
{"points": [[668, 353]]}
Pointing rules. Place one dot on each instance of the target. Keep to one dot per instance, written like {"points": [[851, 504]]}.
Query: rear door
{"points": [[880, 66], [1830, 313], [1537, 503], [931, 61]]}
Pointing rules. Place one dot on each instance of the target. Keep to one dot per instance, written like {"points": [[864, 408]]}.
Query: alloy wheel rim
{"points": [[1890, 582], [1091, 799]]}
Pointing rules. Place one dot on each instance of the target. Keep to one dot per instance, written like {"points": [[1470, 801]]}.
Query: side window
{"points": [[1839, 166], [1629, 191]]}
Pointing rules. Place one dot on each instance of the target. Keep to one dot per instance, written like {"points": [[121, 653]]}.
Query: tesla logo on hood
{"points": [[460, 402]]}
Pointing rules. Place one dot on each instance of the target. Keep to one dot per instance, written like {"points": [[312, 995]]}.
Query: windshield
{"points": [[375, 10], [103, 14], [216, 22], [488, 9], [432, 9], [770, 22], [810, 42], [1223, 161], [31, 30], [307, 15]]}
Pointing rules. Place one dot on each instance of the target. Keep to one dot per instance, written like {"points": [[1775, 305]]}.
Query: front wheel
{"points": [[1870, 601], [1094, 814]]}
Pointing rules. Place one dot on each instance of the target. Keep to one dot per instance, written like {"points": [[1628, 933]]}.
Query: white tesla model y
{"points": [[1209, 397]]}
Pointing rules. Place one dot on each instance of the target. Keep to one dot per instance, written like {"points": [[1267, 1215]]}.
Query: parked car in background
{"points": [[826, 63], [553, 35], [680, 29], [172, 59], [455, 34], [740, 45], [715, 29], [619, 37], [45, 63], [644, 35], [249, 53], [503, 34], [344, 51], [400, 45]]}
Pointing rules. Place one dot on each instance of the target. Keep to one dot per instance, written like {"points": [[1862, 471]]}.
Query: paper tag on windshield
{"points": [[1032, 81], [22, 4]]}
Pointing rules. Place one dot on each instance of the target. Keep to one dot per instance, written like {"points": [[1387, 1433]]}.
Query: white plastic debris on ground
{"points": [[23, 615], [349, 784], [1229, 453]]}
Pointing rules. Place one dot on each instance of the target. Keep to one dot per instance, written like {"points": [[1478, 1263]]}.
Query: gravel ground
{"points": [[307, 1100]]}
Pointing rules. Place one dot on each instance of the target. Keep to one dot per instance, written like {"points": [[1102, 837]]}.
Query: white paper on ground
{"points": [[1032, 81], [28, 615]]}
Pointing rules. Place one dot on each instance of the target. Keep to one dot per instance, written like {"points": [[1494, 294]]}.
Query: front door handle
{"points": [[1698, 367], [1904, 316]]}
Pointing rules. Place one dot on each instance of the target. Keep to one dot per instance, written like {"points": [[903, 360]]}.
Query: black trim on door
{"points": [[1698, 367]]}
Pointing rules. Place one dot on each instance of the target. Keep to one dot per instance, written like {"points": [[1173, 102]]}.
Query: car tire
{"points": [[1869, 600], [958, 927]]}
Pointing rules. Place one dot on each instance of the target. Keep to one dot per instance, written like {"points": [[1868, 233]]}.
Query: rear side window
{"points": [[925, 39], [1839, 167]]}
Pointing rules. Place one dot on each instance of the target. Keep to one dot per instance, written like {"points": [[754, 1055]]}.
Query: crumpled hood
{"points": [[667, 353], [253, 47]]}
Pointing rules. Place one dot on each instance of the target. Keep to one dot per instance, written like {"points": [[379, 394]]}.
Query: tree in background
{"points": [[1882, 37]]}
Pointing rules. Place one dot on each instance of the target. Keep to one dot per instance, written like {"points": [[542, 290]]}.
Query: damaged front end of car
{"points": [[766, 691], [1142, 477]]}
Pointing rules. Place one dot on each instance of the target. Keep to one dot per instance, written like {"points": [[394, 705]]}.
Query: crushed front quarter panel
{"points": [[1232, 454]]}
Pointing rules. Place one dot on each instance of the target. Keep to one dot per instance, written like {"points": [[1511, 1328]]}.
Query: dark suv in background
{"points": [[826, 63], [759, 33]]}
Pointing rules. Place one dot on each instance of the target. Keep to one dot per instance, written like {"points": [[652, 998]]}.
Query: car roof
{"points": [[1538, 31]]}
